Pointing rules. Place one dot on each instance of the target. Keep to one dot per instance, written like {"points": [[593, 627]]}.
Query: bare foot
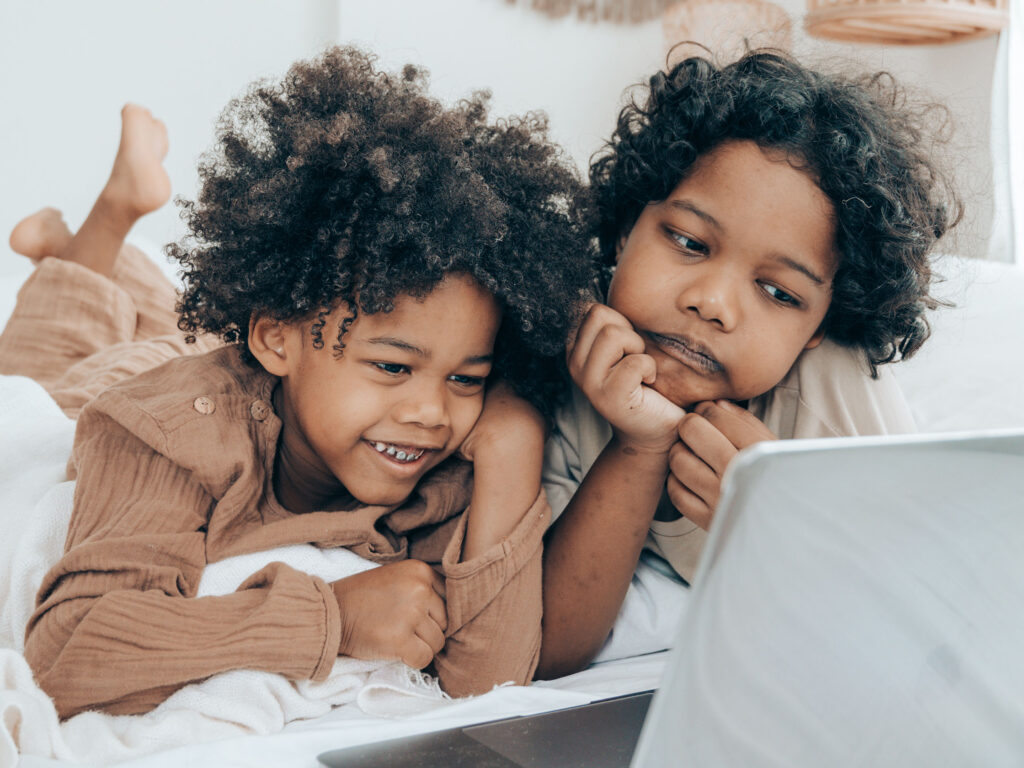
{"points": [[138, 183], [42, 234]]}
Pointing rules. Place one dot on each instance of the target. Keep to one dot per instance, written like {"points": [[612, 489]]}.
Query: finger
{"points": [[430, 633], [740, 426], [437, 608], [612, 345], [590, 324], [693, 474], [598, 319], [597, 316], [416, 653], [581, 312], [701, 437], [626, 376], [688, 503]]}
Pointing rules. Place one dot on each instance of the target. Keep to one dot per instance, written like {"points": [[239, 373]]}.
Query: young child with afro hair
{"points": [[764, 231], [377, 293]]}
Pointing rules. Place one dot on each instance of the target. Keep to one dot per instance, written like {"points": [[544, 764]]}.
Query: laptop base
{"points": [[602, 734]]}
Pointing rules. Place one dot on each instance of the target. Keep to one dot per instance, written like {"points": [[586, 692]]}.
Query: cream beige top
{"points": [[829, 392]]}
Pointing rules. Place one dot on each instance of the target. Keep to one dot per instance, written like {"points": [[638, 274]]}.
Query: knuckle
{"points": [[677, 496], [436, 642], [600, 312], [418, 658], [689, 424], [707, 409], [680, 465]]}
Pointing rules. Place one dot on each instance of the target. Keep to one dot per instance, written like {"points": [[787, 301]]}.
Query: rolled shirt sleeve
{"points": [[494, 607], [117, 624]]}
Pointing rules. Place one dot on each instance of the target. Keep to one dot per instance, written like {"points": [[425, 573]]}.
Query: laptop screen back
{"points": [[860, 602]]}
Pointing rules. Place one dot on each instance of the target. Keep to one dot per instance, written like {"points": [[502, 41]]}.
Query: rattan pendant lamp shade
{"points": [[905, 22]]}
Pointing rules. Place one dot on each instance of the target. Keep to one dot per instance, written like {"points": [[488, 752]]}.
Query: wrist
{"points": [[345, 635], [650, 448]]}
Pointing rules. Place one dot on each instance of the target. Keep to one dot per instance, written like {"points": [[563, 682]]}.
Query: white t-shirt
{"points": [[828, 392]]}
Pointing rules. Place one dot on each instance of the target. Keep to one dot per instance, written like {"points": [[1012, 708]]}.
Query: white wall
{"points": [[67, 66], [575, 72], [958, 74]]}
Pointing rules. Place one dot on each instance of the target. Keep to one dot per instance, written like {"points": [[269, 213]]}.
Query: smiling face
{"points": [[728, 279], [402, 397]]}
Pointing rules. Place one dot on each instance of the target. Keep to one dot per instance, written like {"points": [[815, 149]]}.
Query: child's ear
{"points": [[268, 343], [817, 338]]}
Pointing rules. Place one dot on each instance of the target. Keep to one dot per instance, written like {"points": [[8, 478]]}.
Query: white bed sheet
{"points": [[299, 743]]}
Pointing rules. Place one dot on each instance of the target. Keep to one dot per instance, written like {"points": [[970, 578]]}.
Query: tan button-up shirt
{"points": [[175, 470]]}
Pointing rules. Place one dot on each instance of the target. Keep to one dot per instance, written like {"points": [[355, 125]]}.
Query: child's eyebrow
{"points": [[801, 268], [405, 346], [391, 341], [686, 205]]}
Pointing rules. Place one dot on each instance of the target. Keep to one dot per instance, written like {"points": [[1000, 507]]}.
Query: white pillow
{"points": [[970, 373]]}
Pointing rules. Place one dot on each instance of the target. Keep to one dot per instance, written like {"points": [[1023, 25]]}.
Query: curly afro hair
{"points": [[857, 137], [342, 183]]}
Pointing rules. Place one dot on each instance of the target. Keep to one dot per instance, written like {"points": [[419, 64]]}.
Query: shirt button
{"points": [[259, 410], [204, 405]]}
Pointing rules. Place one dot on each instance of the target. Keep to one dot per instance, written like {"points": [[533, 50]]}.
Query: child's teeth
{"points": [[401, 455]]}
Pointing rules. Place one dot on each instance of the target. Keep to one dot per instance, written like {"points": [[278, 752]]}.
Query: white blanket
{"points": [[35, 507]]}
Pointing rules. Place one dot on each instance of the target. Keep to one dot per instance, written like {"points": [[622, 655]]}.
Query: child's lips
{"points": [[688, 351], [400, 453]]}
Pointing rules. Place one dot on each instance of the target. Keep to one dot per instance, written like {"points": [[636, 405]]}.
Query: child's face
{"points": [[403, 396], [729, 279]]}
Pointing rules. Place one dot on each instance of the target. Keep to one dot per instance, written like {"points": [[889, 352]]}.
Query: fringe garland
{"points": [[615, 11]]}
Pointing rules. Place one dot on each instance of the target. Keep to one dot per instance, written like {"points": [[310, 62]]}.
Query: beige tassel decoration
{"points": [[615, 11]]}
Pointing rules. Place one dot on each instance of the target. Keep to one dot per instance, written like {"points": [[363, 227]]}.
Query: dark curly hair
{"points": [[343, 183], [857, 137]]}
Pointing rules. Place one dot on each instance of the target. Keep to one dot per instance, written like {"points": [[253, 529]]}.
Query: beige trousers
{"points": [[76, 332]]}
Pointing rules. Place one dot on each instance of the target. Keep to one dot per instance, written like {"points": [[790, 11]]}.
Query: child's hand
{"points": [[395, 611], [608, 363], [708, 439], [507, 425]]}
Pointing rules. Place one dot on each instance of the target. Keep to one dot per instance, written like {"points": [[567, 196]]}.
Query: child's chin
{"points": [[383, 497]]}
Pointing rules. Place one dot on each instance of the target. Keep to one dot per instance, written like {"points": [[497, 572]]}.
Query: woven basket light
{"points": [[905, 22], [727, 28]]}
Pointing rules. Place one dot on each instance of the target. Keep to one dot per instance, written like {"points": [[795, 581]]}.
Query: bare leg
{"points": [[138, 184]]}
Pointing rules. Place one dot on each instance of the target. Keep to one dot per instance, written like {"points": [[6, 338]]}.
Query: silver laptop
{"points": [[860, 602]]}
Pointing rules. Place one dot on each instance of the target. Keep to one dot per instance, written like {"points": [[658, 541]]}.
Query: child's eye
{"points": [[467, 381], [393, 369], [780, 295], [688, 243]]}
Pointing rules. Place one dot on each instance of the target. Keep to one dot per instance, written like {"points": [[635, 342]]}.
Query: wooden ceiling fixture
{"points": [[905, 22]]}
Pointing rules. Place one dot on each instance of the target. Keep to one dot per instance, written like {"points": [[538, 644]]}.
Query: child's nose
{"points": [[424, 405], [712, 296]]}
